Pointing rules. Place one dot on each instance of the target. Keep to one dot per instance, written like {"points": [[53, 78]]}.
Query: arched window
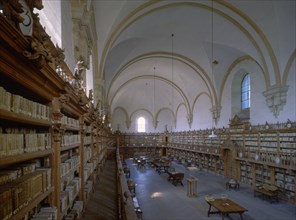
{"points": [[141, 124], [246, 91]]}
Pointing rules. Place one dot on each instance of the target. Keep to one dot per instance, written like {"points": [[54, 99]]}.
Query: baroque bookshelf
{"points": [[53, 140]]}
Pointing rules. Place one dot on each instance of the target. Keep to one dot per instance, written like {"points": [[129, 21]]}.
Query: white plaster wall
{"points": [[226, 104], [182, 123], [89, 76], [50, 18], [164, 120], [67, 36], [289, 110], [56, 17], [202, 116], [118, 120]]}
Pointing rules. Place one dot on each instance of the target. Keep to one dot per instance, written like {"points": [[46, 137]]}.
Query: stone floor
{"points": [[161, 200]]}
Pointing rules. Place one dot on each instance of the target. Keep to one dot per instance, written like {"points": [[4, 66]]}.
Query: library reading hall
{"points": [[147, 109]]}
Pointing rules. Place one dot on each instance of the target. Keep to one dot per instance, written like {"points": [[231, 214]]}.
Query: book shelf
{"points": [[254, 155], [52, 140], [136, 145]]}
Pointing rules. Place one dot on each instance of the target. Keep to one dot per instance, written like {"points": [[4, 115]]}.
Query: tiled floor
{"points": [[160, 200]]}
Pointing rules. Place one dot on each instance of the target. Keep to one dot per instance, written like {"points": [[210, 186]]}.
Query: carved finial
{"points": [[79, 69], [12, 10], [90, 95], [35, 4], [83, 100], [38, 53]]}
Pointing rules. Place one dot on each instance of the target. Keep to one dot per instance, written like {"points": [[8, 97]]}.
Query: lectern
{"points": [[192, 187]]}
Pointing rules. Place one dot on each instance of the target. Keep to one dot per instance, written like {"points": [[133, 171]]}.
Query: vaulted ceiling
{"points": [[157, 55]]}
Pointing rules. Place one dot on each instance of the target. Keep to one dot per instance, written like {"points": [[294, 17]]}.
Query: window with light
{"points": [[141, 124], [246, 92]]}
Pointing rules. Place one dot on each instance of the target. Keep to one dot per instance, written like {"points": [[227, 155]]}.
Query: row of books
{"points": [[15, 144], [76, 211], [73, 188], [87, 154], [46, 213], [87, 128], [70, 139], [19, 193], [20, 105], [16, 172], [68, 195], [18, 130], [70, 165], [87, 139], [285, 185], [88, 170], [65, 155], [88, 187], [70, 121]]}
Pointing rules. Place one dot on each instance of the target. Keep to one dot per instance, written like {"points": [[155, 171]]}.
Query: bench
{"points": [[267, 191], [137, 208]]}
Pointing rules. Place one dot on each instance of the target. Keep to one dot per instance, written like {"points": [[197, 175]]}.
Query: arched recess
{"points": [[123, 120], [141, 113], [228, 154], [233, 79], [185, 120], [201, 111], [163, 119], [236, 90]]}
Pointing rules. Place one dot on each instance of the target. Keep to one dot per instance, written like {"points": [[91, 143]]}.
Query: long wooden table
{"points": [[225, 207]]}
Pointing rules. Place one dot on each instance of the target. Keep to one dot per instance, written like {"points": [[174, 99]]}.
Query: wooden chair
{"points": [[127, 172], [131, 186], [178, 178]]}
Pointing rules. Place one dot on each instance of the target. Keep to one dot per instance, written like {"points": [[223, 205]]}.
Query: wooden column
{"points": [[57, 131]]}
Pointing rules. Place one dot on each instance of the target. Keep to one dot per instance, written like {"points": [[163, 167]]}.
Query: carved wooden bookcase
{"points": [[51, 146]]}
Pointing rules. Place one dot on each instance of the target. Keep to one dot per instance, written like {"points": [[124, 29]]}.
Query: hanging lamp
{"points": [[212, 135], [172, 83], [154, 113]]}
